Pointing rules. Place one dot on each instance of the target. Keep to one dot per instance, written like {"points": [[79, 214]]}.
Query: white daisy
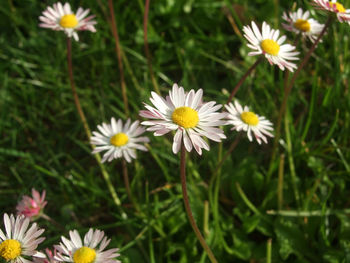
{"points": [[118, 140], [243, 119], [186, 114], [61, 18], [50, 257], [299, 22], [19, 242], [270, 45], [91, 251], [333, 6]]}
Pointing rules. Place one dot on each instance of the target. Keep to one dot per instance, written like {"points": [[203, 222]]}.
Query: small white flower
{"points": [[299, 22], [61, 18], [269, 44], [243, 119], [186, 114], [118, 140], [92, 251], [19, 242], [335, 7]]}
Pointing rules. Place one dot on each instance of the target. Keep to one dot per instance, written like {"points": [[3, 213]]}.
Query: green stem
{"points": [[148, 54], [119, 55], [188, 208], [86, 127]]}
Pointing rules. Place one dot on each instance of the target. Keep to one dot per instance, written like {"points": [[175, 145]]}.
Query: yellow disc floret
{"points": [[119, 139], [69, 21], [250, 118], [84, 255], [302, 25], [186, 117], [270, 47], [10, 249], [338, 6]]}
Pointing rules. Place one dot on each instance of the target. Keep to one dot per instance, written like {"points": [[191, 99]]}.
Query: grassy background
{"points": [[43, 144]]}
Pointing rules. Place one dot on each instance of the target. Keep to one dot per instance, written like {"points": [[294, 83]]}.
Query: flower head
{"points": [[32, 206], [61, 18], [19, 242], [91, 251], [243, 119], [335, 7], [118, 140], [269, 44], [186, 114], [299, 22]]}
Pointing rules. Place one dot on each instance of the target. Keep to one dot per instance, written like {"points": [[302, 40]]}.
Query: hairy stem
{"points": [[188, 208], [148, 55], [240, 82], [119, 55]]}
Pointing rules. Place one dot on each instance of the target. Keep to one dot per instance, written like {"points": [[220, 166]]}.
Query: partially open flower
{"points": [[61, 18], [299, 22], [335, 7], [33, 206]]}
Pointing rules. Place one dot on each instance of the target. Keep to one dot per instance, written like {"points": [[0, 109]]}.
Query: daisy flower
{"points": [[335, 7], [118, 140], [269, 44], [19, 242], [32, 206], [61, 18], [92, 251], [299, 22], [243, 119], [186, 114]]}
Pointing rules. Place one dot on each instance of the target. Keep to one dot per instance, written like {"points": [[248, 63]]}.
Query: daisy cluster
{"points": [[20, 239]]}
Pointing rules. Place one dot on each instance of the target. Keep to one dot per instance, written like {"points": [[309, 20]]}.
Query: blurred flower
{"points": [[32, 206], [335, 7], [73, 250], [61, 18], [188, 115], [269, 44], [119, 141], [19, 241], [299, 22], [50, 257], [243, 119]]}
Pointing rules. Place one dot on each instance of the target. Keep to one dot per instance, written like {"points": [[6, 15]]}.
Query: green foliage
{"points": [[43, 144]]}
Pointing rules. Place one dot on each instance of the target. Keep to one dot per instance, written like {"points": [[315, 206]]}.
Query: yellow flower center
{"points": [[338, 6], [84, 255], [69, 21], [302, 25], [250, 118], [186, 117], [10, 249], [119, 139], [270, 47]]}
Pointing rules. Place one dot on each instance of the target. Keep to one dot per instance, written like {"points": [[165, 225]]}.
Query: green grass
{"points": [[43, 144]]}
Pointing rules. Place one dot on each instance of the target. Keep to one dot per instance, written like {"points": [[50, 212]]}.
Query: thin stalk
{"points": [[72, 85], [119, 55], [148, 55], [280, 183], [268, 250], [240, 82], [188, 208], [127, 184], [87, 129], [289, 88]]}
